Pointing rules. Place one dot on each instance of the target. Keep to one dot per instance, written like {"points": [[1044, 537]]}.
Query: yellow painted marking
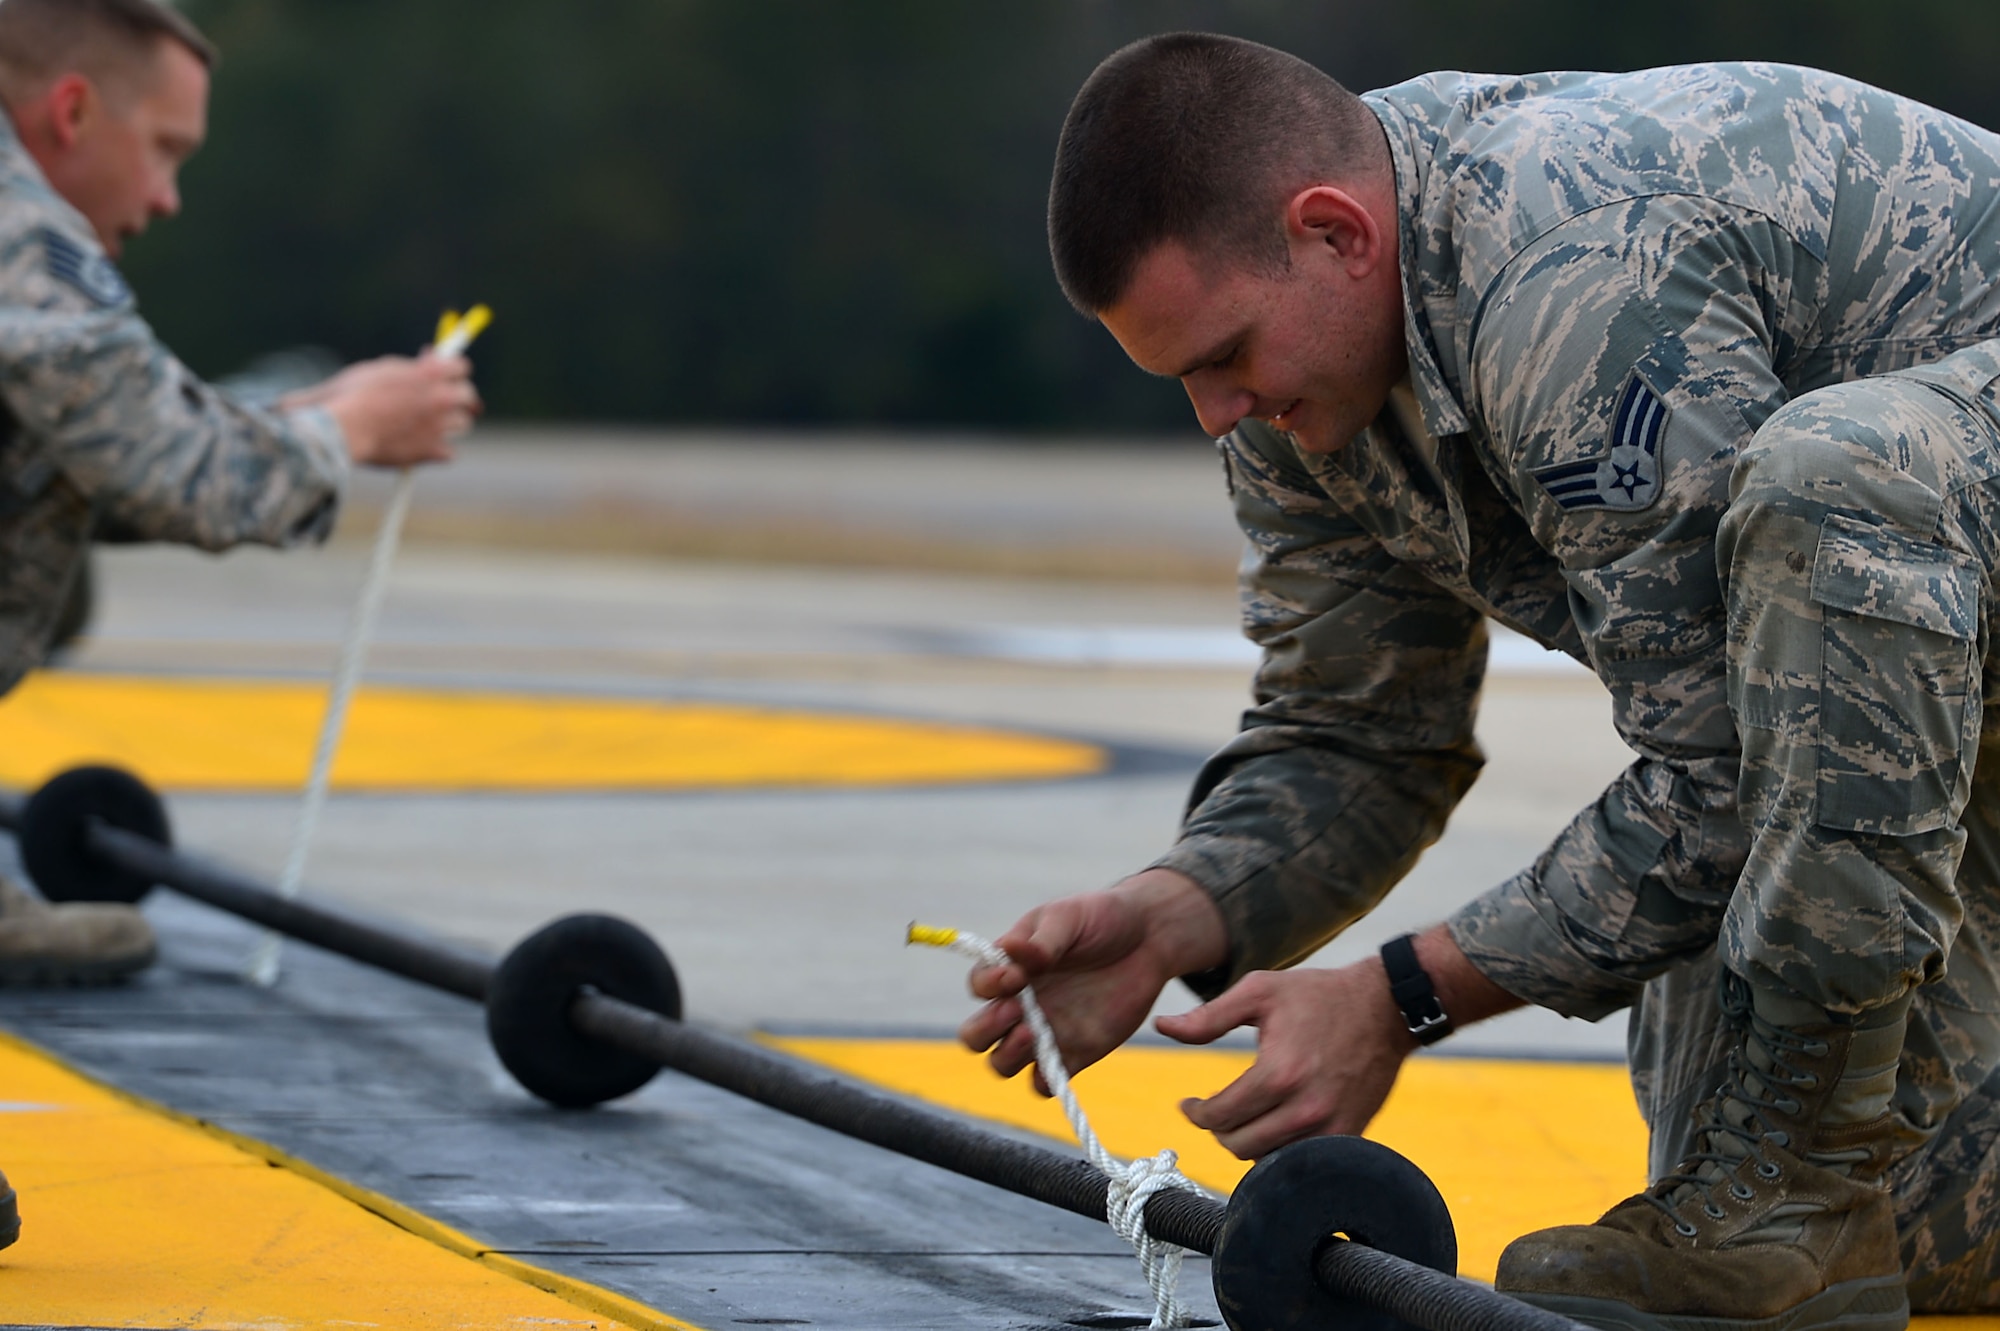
{"points": [[134, 1216], [205, 734], [1513, 1146]]}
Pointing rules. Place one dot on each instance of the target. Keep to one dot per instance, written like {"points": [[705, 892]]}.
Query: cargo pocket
{"points": [[1898, 671], [1597, 872]]}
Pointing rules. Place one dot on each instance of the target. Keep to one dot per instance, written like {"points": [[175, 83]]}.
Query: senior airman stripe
{"points": [[92, 274], [1627, 474]]}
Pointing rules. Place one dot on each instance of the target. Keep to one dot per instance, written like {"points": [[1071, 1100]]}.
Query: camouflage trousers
{"points": [[1860, 557]]}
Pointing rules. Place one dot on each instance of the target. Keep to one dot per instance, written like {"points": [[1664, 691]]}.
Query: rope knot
{"points": [[1128, 1183], [1125, 1207]]}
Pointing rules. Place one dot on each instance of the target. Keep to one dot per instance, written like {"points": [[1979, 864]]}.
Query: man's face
{"points": [[1313, 349], [121, 164]]}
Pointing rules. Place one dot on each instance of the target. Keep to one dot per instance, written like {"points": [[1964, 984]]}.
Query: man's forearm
{"points": [[1295, 845], [1184, 928], [1187, 933], [1463, 990]]}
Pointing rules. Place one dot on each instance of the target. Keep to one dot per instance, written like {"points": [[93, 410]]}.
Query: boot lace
{"points": [[1729, 1138]]}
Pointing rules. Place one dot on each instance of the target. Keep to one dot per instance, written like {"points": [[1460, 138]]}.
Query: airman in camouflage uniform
{"points": [[104, 428], [103, 433], [1699, 392], [1652, 267]]}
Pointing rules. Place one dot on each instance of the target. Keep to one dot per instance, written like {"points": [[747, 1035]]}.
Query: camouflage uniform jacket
{"points": [[102, 429], [1610, 282]]}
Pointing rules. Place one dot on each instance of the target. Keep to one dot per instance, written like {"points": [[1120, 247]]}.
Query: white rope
{"points": [[1130, 1182], [260, 967]]}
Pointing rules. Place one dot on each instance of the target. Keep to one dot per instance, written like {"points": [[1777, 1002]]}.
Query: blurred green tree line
{"points": [[787, 211]]}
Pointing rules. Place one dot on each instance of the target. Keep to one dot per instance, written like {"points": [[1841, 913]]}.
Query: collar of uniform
{"points": [[1409, 414], [21, 177], [11, 149], [1442, 412], [31, 198]]}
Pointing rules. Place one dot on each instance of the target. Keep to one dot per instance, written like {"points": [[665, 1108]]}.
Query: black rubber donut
{"points": [[54, 822], [527, 1007], [1293, 1202]]}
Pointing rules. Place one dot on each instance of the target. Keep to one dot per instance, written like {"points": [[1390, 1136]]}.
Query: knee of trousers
{"points": [[1854, 449], [1800, 467], [1855, 611]]}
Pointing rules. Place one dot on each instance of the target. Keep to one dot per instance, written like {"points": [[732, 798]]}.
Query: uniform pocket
{"points": [[1596, 879], [1898, 668]]}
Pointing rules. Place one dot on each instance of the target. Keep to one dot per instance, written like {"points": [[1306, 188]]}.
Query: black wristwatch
{"points": [[1411, 987]]}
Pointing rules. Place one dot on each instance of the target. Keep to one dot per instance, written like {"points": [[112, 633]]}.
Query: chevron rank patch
{"points": [[88, 271], [1626, 474]]}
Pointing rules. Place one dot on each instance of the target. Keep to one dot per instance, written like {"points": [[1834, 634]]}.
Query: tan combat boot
{"points": [[1779, 1221], [71, 943]]}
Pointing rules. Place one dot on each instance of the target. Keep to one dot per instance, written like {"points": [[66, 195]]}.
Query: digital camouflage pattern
{"points": [[102, 430], [1859, 549], [1612, 283], [1728, 237]]}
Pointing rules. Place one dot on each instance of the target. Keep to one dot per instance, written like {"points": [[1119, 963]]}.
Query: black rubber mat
{"points": [[683, 1197]]}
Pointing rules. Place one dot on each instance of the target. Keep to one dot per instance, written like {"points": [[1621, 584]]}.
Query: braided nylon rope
{"points": [[1130, 1182], [261, 966]]}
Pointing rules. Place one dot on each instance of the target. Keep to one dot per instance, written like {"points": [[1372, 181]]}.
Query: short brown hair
{"points": [[41, 40], [1196, 138]]}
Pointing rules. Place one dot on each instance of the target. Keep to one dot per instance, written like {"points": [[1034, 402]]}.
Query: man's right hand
{"points": [[1097, 962], [398, 411]]}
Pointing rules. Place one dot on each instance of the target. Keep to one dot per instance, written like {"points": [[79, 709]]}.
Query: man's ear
{"points": [[71, 102], [1324, 215]]}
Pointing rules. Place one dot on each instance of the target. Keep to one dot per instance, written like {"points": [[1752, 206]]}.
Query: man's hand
{"points": [[1097, 962], [398, 411], [1329, 1044]]}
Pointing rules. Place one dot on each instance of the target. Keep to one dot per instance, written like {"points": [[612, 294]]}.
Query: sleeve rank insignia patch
{"points": [[88, 271], [1626, 475]]}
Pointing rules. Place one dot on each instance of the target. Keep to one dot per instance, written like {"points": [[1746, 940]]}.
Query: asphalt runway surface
{"points": [[958, 585], [784, 908], [714, 1211]]}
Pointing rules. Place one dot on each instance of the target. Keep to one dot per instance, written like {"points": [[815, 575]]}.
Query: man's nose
{"points": [[1218, 406], [166, 200]]}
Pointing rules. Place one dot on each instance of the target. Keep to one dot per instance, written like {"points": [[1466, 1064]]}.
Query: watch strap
{"points": [[1410, 985]]}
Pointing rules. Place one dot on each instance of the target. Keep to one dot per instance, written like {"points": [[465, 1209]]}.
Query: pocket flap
{"points": [[1884, 574]]}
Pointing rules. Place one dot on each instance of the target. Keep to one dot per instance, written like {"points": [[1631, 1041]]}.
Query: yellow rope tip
{"points": [[457, 331], [929, 935]]}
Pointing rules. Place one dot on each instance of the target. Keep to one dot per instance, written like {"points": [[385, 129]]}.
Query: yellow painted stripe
{"points": [[1513, 1146], [133, 1215], [205, 734], [1498, 1138]]}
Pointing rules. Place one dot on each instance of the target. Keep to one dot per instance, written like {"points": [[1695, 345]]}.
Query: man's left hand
{"points": [[1329, 1045]]}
